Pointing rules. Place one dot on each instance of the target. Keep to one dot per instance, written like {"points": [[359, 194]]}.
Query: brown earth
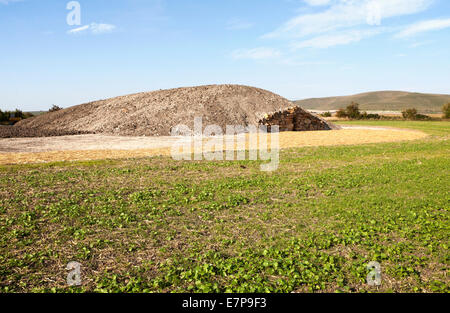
{"points": [[156, 113]]}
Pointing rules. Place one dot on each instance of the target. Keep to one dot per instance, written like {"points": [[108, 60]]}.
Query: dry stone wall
{"points": [[295, 119]]}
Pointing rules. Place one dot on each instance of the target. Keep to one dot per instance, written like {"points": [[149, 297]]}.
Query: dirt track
{"points": [[92, 147]]}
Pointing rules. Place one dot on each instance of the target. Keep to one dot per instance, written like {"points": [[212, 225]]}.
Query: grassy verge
{"points": [[433, 128], [158, 225]]}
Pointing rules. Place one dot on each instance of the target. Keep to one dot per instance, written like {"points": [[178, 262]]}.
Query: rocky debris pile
{"points": [[295, 119], [156, 113]]}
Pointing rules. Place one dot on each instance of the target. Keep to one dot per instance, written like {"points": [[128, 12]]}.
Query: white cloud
{"points": [[333, 23], [293, 61], [421, 43], [78, 30], [94, 28], [102, 28], [424, 26], [345, 14], [237, 24], [317, 2], [260, 53], [331, 40]]}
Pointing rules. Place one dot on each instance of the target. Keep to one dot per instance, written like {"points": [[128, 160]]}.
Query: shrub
{"points": [[353, 111], [4, 116], [366, 116], [446, 110], [326, 114], [12, 117], [422, 117], [341, 113], [373, 116], [55, 108], [27, 115], [18, 114], [409, 114]]}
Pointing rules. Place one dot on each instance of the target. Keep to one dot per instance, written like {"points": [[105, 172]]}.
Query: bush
{"points": [[373, 116], [446, 110], [353, 111], [366, 116], [55, 108], [409, 114], [4, 116], [18, 114], [12, 117], [341, 113], [422, 117], [326, 114], [27, 115]]}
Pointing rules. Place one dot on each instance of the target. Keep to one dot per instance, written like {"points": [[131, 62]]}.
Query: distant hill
{"points": [[380, 101], [35, 113]]}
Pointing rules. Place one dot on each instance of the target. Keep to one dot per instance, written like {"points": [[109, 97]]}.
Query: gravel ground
{"points": [[83, 143]]}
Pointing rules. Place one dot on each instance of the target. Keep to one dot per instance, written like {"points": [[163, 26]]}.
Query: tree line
{"points": [[353, 112], [12, 117]]}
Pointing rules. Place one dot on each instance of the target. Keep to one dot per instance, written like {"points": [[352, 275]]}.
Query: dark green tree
{"points": [[341, 113], [4, 116], [353, 111], [55, 108], [409, 114], [18, 114], [446, 110]]}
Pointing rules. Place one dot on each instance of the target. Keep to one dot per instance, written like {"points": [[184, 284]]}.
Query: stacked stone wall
{"points": [[294, 119]]}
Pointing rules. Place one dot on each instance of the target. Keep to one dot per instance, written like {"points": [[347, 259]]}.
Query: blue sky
{"points": [[298, 49]]}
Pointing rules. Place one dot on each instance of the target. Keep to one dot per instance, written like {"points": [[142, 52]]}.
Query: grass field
{"points": [[159, 225]]}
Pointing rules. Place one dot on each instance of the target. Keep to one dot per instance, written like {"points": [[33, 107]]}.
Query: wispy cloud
{"points": [[275, 56], [94, 28], [331, 40], [78, 30], [237, 24], [102, 28], [346, 14], [260, 53], [336, 23], [420, 44], [424, 26], [295, 61], [317, 2]]}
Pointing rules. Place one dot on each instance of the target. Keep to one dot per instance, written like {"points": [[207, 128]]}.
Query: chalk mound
{"points": [[156, 113]]}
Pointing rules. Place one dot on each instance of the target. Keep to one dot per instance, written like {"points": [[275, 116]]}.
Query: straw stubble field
{"points": [[97, 147]]}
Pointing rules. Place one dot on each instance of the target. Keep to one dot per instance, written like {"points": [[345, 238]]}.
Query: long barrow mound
{"points": [[156, 113]]}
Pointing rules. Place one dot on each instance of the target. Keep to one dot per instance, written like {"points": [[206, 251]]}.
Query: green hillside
{"points": [[381, 101]]}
